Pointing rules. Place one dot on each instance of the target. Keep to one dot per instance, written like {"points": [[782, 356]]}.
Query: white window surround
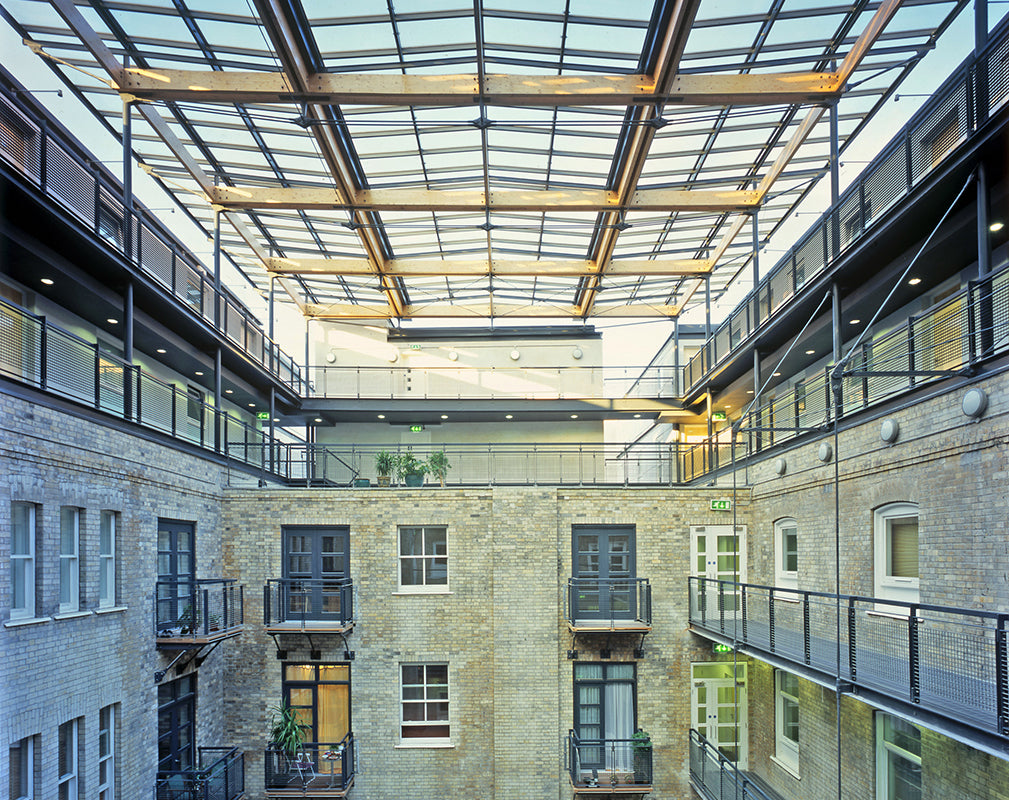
{"points": [[67, 766], [424, 705], [423, 559], [22, 561], [786, 555], [895, 555], [786, 721], [70, 563], [107, 560], [897, 762], [107, 753], [22, 758]]}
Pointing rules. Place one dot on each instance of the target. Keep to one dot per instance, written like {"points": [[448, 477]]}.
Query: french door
{"points": [[177, 724], [718, 707], [176, 572], [320, 693], [603, 559], [719, 554], [315, 564], [605, 716]]}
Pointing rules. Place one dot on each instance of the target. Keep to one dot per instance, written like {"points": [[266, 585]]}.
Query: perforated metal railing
{"points": [[57, 168], [951, 661], [965, 328], [945, 122], [716, 777], [219, 776], [47, 357]]}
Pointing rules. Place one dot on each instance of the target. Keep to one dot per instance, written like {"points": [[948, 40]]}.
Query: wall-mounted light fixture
{"points": [[889, 430], [514, 355], [824, 452], [974, 402], [780, 466]]}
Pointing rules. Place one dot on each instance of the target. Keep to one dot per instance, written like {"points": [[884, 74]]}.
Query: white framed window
{"points": [[895, 554], [107, 559], [68, 766], [70, 563], [786, 554], [898, 758], [425, 702], [22, 560], [22, 769], [423, 558], [107, 753], [786, 720]]}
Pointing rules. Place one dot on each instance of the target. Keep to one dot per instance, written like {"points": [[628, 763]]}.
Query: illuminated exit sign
{"points": [[262, 415], [721, 648], [718, 416], [721, 505], [416, 428]]}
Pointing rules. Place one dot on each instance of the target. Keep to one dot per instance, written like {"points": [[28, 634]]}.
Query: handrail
{"points": [[303, 600], [319, 766], [203, 607], [596, 763], [609, 600], [55, 164], [953, 662], [222, 778], [923, 144], [716, 777]]}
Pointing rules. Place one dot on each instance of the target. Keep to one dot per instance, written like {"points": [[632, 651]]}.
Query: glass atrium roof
{"points": [[529, 158]]}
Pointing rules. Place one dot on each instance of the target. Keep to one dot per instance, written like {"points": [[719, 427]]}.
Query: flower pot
{"points": [[413, 479], [362, 482], [384, 480]]}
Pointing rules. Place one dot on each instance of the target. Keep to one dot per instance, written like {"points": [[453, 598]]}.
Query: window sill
{"points": [[21, 621], [791, 770], [71, 614], [420, 592], [110, 610], [425, 744]]}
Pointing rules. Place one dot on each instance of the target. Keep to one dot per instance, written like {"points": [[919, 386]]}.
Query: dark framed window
{"points": [[603, 559], [176, 567], [177, 724], [605, 711], [316, 567], [321, 695]]}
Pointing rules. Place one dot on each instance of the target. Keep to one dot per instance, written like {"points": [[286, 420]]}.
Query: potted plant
{"points": [[385, 463], [287, 733], [641, 743], [410, 469], [437, 465]]}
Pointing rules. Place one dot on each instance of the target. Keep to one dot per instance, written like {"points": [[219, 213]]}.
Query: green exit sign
{"points": [[416, 428], [721, 648], [721, 505], [718, 416], [262, 415], [415, 347]]}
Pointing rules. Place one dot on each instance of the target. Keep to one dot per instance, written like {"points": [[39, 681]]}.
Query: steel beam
{"points": [[420, 267]]}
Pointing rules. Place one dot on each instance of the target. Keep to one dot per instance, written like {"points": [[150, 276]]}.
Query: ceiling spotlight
{"points": [[229, 391], [112, 321], [198, 373], [914, 281], [637, 416], [777, 374], [444, 416], [749, 391], [162, 350], [381, 416], [574, 416], [855, 321], [49, 281], [318, 419], [995, 227], [252, 405], [810, 352], [508, 416]]}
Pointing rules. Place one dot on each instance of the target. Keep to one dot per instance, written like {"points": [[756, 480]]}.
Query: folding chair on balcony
{"points": [[302, 766]]}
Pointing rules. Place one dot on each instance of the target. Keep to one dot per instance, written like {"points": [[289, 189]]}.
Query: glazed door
{"points": [[315, 564], [718, 706], [718, 554], [603, 559]]}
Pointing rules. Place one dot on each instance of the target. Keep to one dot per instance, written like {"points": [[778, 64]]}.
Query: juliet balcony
{"points": [[314, 605], [609, 605], [220, 775], [193, 613], [947, 666], [609, 766], [316, 770]]}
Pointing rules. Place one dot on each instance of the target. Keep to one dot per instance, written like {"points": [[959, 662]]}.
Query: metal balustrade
{"points": [[950, 661], [609, 604], [967, 327], [620, 765], [197, 610], [715, 777], [317, 603], [322, 769], [219, 776], [55, 166], [945, 121]]}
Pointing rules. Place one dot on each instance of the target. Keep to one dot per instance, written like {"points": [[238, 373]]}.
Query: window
{"points": [[425, 702], [107, 753], [423, 558], [70, 570], [321, 695], [107, 560], [604, 569], [896, 554], [22, 770], [604, 715], [898, 759], [194, 405], [937, 142], [22, 560], [786, 554], [67, 760], [176, 715], [786, 720], [315, 572], [176, 573]]}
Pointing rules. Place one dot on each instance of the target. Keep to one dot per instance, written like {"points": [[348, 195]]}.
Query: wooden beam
{"points": [[426, 267], [447, 90], [244, 197]]}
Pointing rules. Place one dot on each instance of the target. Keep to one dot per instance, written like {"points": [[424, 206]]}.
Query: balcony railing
{"points": [[220, 776], [308, 603], [320, 769], [609, 604], [945, 122], [609, 765], [969, 326], [714, 777], [949, 661], [492, 464], [62, 172], [194, 611], [472, 382]]}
